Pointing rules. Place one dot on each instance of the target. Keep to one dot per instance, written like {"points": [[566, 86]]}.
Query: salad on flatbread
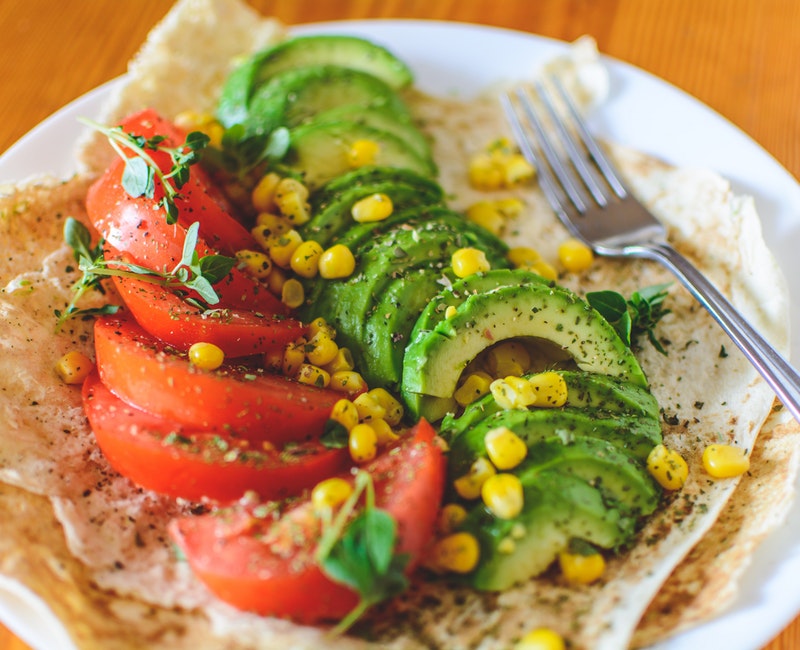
{"points": [[301, 358]]}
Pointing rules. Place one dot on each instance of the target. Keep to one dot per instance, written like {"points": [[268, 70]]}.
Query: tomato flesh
{"points": [[256, 563], [170, 459], [249, 403]]}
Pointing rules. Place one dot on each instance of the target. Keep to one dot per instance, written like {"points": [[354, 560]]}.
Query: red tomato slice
{"points": [[179, 462], [256, 563], [254, 405], [172, 320]]}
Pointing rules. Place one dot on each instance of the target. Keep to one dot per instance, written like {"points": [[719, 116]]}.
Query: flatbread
{"points": [[94, 547]]}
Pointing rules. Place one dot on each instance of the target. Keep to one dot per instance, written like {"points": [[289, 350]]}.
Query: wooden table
{"points": [[738, 56]]}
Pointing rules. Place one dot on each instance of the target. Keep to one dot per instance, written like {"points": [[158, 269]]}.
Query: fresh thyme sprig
{"points": [[191, 273], [141, 171], [360, 552]]}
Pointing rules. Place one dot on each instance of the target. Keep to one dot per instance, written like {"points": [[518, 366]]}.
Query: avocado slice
{"points": [[319, 151], [349, 51], [558, 507], [435, 359]]}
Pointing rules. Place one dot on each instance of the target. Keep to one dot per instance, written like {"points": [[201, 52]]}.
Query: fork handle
{"points": [[776, 370]]}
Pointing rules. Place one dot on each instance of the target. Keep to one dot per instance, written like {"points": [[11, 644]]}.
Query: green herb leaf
{"points": [[334, 435], [138, 178]]}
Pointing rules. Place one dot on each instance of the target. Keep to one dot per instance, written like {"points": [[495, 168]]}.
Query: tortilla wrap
{"points": [[94, 548]]}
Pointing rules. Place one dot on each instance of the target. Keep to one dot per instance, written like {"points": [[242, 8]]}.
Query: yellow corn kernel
{"points": [[275, 224], [517, 170], [466, 261], [475, 386], [282, 248], [393, 409], [313, 375], [362, 443], [667, 467], [203, 122], [305, 259], [293, 355], [348, 381], [509, 207], [458, 552], [345, 413], [485, 173], [580, 569], [375, 207], [263, 195], [369, 408], [292, 293], [321, 349], [512, 393], [319, 324], [254, 263], [206, 356], [337, 262], [541, 638], [329, 494], [342, 361], [502, 495], [523, 257], [74, 367], [505, 448], [275, 280], [508, 358], [469, 486], [450, 517], [545, 269], [291, 198], [725, 461], [450, 311], [575, 256], [487, 215], [549, 388], [363, 152], [383, 430]]}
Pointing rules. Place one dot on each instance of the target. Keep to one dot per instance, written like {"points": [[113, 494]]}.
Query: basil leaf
{"points": [[138, 178]]}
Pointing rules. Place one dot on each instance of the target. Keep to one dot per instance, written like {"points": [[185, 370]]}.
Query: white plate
{"points": [[642, 112]]}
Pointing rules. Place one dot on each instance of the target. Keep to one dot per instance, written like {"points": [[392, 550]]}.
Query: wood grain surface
{"points": [[740, 57]]}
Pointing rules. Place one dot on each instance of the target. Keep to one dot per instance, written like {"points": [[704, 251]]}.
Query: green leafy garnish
{"points": [[633, 317], [334, 435], [242, 151], [191, 273], [360, 551], [141, 171]]}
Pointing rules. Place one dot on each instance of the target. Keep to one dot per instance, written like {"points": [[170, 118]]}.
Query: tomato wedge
{"points": [[257, 563], [179, 462], [249, 403]]}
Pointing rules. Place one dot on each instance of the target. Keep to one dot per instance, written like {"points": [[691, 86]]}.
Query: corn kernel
{"points": [[450, 517], [321, 349], [467, 261], [203, 122], [363, 152], [348, 381], [206, 356], [667, 467], [319, 324], [293, 355], [484, 173], [383, 431], [502, 495], [509, 207], [263, 195], [545, 269], [575, 256], [469, 486], [337, 262], [541, 639], [580, 569], [475, 386], [508, 358], [345, 413], [375, 207], [458, 553], [254, 263], [342, 361], [74, 367], [363, 443], [517, 170], [305, 259], [393, 409], [550, 389], [369, 407], [274, 224], [330, 494], [313, 375], [486, 215], [514, 394], [523, 257], [282, 248], [505, 448], [275, 280], [725, 461], [450, 311], [291, 199], [292, 293]]}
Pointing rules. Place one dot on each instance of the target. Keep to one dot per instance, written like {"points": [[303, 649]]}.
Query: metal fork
{"points": [[588, 195]]}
